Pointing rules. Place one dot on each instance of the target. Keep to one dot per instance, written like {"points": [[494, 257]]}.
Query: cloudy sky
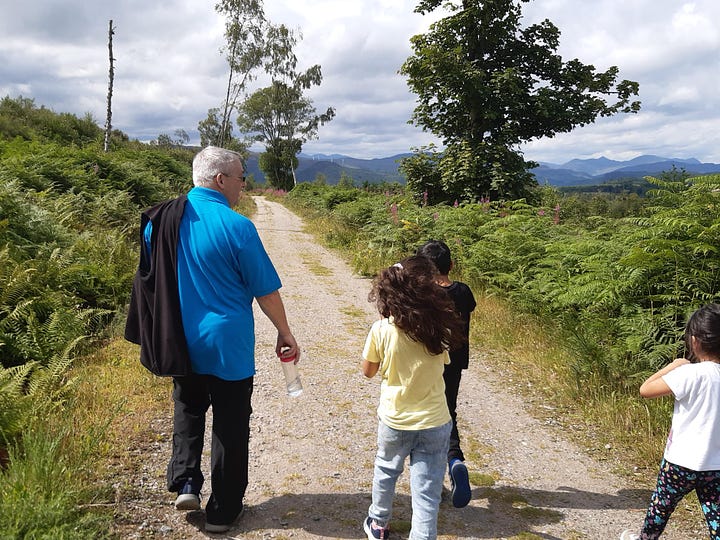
{"points": [[169, 70]]}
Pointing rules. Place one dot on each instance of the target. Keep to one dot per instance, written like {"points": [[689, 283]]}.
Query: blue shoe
{"points": [[373, 531], [188, 497], [460, 482]]}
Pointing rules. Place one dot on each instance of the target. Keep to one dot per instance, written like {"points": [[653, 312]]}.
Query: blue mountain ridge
{"points": [[332, 167], [576, 172]]}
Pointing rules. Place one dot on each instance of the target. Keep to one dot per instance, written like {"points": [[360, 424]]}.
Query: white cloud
{"points": [[169, 70], [679, 95]]}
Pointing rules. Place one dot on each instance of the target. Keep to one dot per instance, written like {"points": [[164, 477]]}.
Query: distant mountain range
{"points": [[580, 172], [373, 171], [576, 172]]}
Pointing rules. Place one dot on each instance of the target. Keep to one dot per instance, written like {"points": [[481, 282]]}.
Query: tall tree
{"points": [[211, 129], [245, 50], [280, 115], [485, 85]]}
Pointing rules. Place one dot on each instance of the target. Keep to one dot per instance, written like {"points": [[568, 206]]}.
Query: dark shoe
{"points": [[373, 531], [188, 497], [213, 528], [460, 481], [223, 527]]}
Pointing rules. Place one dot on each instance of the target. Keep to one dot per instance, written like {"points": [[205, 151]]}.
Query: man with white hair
{"points": [[208, 259]]}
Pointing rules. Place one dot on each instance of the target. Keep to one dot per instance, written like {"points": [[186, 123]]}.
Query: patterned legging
{"points": [[673, 483]]}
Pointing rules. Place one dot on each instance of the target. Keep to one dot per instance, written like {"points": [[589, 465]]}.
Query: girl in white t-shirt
{"points": [[692, 454], [408, 348]]}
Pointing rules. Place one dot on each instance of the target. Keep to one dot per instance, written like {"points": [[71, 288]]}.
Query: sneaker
{"points": [[213, 528], [460, 482], [223, 527], [188, 497], [374, 532], [629, 535]]}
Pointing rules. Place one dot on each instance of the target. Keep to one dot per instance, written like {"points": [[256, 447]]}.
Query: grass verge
{"points": [[540, 367], [56, 484], [620, 429], [115, 375]]}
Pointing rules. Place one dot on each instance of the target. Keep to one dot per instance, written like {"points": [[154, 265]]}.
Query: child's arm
{"points": [[655, 386], [369, 369]]}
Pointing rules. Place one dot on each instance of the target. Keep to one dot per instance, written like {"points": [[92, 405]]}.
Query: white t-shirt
{"points": [[694, 440]]}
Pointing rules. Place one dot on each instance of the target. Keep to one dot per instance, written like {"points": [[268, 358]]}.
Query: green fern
{"points": [[14, 404]]}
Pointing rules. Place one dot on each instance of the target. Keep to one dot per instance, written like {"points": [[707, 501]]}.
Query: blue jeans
{"points": [[427, 449]]}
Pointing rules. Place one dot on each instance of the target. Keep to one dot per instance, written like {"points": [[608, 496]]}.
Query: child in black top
{"points": [[439, 253]]}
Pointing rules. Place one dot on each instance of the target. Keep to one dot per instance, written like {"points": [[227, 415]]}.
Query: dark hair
{"points": [[704, 326], [421, 308], [438, 252]]}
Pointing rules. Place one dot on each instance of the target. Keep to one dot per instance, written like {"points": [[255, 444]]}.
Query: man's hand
{"points": [[272, 306], [287, 347]]}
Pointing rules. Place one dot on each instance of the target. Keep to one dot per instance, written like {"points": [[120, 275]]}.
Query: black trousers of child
{"points": [[452, 375], [673, 483], [231, 409]]}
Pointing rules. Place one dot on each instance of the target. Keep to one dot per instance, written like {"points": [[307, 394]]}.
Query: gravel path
{"points": [[311, 456]]}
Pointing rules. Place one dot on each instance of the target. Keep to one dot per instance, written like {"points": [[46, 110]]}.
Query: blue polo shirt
{"points": [[222, 266]]}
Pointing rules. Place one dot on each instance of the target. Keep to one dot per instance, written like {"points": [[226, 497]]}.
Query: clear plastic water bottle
{"points": [[292, 376]]}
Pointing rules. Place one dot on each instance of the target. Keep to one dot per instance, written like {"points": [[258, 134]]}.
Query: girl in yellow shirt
{"points": [[408, 348]]}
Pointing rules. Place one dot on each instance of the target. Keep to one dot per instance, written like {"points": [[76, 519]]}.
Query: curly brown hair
{"points": [[421, 308]]}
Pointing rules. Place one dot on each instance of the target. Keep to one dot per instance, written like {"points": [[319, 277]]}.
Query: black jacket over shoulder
{"points": [[154, 321]]}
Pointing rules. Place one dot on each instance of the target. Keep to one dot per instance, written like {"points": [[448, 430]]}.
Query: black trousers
{"points": [[231, 406], [452, 375]]}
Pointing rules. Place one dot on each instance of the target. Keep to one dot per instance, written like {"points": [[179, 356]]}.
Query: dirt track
{"points": [[311, 456]]}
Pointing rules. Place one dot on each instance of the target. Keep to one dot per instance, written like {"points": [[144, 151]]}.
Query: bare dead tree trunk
{"points": [[228, 106], [108, 119]]}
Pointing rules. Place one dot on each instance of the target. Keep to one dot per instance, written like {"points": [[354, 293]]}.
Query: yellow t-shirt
{"points": [[412, 393]]}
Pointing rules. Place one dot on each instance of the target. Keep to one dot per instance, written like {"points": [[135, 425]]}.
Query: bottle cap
{"points": [[287, 358]]}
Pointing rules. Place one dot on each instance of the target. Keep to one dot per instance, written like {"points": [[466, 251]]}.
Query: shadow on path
{"points": [[497, 512]]}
